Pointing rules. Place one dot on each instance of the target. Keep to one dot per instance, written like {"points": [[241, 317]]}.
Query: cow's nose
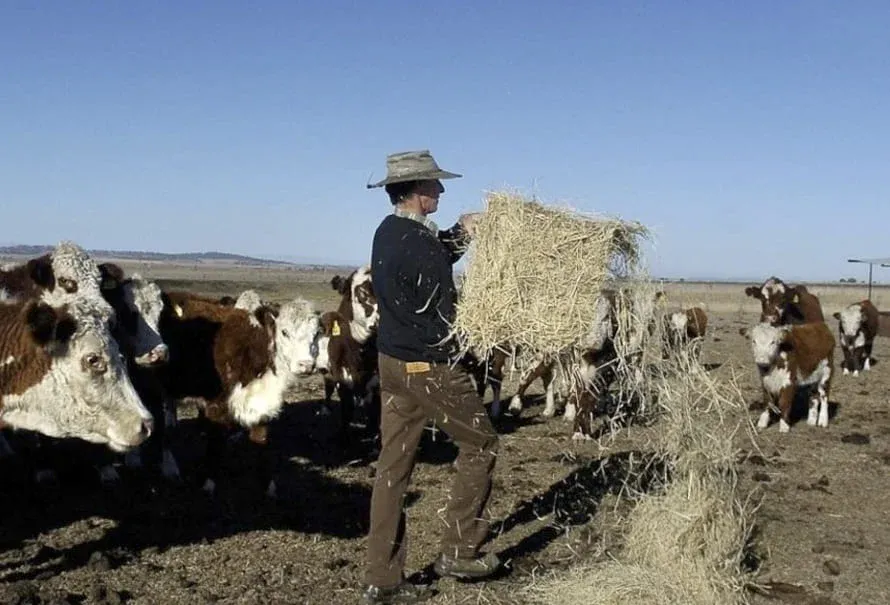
{"points": [[305, 367], [148, 426]]}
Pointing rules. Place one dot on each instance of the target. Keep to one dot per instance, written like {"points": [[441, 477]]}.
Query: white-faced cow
{"points": [[350, 368], [789, 358], [237, 364], [358, 303], [137, 305], [781, 304], [592, 365], [65, 274], [62, 376], [685, 328], [857, 326]]}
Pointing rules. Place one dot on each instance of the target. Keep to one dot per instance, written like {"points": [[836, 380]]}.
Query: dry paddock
{"points": [[822, 532]]}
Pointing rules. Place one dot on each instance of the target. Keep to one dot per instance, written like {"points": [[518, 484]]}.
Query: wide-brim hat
{"points": [[412, 166]]}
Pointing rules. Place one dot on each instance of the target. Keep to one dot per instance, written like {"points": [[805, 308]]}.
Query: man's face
{"points": [[428, 193]]}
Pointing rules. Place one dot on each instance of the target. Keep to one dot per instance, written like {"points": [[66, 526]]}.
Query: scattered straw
{"points": [[535, 273], [684, 542]]}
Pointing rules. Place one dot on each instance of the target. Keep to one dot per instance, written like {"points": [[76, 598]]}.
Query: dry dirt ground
{"points": [[822, 531]]}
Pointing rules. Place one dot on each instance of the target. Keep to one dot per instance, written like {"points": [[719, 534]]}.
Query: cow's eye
{"points": [[285, 333], [94, 363]]}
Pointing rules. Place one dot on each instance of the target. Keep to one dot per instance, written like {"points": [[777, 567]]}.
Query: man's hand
{"points": [[468, 222]]}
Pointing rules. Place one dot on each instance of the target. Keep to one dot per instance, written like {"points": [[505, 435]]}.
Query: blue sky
{"points": [[752, 137]]}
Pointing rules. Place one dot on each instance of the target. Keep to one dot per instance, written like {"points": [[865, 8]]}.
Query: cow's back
{"points": [[813, 340]]}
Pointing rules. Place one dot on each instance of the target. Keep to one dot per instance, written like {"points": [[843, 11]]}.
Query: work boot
{"points": [[465, 569], [402, 593]]}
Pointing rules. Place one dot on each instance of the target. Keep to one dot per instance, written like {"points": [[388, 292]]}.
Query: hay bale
{"points": [[534, 275]]}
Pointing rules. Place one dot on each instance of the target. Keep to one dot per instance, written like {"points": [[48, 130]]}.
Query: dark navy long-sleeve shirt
{"points": [[411, 270]]}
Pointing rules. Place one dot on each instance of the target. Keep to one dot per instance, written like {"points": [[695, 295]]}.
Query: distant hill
{"points": [[189, 257]]}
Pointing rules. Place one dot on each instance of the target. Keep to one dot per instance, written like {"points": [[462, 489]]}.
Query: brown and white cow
{"points": [[358, 303], [61, 375], [781, 304], [135, 304], [237, 364], [591, 362], [684, 328], [65, 274], [350, 368], [789, 358], [857, 326]]}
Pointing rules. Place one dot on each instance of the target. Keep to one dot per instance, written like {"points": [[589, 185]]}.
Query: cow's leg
{"points": [[329, 386], [813, 407], [259, 438], [587, 400], [786, 402], [587, 378], [496, 379], [371, 403], [216, 449], [346, 394], [868, 349], [766, 415], [824, 389], [525, 381], [6, 450]]}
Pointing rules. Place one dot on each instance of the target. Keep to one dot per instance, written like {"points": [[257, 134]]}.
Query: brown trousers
{"points": [[410, 396]]}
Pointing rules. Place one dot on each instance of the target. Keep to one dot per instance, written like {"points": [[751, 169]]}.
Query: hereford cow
{"points": [[789, 358], [684, 327], [61, 375], [237, 364], [64, 274], [781, 304], [137, 305], [358, 303], [350, 368], [591, 362], [857, 326]]}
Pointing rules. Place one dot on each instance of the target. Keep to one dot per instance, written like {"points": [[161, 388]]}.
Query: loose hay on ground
{"points": [[534, 274], [683, 543]]}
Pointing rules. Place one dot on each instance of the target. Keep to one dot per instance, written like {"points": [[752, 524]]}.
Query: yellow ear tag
{"points": [[336, 329]]}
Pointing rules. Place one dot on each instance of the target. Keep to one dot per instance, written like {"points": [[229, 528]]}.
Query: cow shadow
{"points": [[148, 513]]}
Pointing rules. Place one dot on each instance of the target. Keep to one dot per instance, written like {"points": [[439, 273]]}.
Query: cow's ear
{"points": [[40, 270], [48, 325], [754, 292], [339, 284], [266, 317], [112, 276], [227, 301]]}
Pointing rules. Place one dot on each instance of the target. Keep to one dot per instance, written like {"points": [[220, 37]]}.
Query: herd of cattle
{"points": [[89, 353]]}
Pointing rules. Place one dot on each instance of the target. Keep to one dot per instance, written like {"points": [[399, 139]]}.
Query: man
{"points": [[411, 269]]}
